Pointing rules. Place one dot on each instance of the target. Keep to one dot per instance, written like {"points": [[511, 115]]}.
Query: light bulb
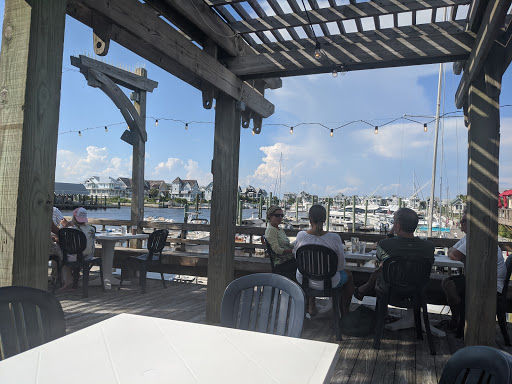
{"points": [[376, 129], [79, 133], [332, 132], [334, 73], [106, 129], [291, 130], [156, 122], [425, 127], [318, 50], [253, 131], [186, 125]]}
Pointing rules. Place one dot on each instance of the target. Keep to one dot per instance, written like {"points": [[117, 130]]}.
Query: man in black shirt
{"points": [[402, 243]]}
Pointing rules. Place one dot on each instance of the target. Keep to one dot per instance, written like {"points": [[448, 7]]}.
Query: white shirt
{"points": [[329, 240], [502, 268]]}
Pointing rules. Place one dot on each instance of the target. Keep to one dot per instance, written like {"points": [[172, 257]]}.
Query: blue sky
{"points": [[354, 160]]}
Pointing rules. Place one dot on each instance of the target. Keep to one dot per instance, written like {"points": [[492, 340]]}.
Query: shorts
{"points": [[343, 279]]}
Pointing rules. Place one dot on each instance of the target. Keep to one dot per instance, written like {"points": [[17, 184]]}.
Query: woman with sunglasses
{"points": [[278, 240]]}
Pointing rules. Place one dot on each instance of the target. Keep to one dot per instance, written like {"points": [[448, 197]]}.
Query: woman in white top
{"points": [[316, 235]]}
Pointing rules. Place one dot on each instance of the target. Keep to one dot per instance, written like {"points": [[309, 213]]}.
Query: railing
{"points": [[178, 234]]}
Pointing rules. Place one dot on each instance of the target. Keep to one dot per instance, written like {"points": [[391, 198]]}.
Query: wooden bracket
{"points": [[209, 92], [465, 109], [102, 30]]}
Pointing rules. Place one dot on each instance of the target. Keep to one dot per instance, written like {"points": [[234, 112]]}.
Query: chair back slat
{"points": [[28, 318], [405, 274], [156, 244], [270, 254], [478, 364], [270, 303]]}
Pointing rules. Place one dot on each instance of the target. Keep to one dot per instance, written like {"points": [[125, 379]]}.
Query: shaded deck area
{"points": [[401, 359]]}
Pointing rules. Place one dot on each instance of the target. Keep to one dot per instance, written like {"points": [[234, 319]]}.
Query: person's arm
{"points": [[457, 255], [55, 229], [458, 252], [272, 237]]}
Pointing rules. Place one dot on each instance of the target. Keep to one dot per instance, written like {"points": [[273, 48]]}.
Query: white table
{"points": [[108, 242], [138, 349]]}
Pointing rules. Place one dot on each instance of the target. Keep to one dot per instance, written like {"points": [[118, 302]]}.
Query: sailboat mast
{"points": [[438, 108]]}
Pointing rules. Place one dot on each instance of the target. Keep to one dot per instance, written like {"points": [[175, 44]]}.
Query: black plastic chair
{"points": [[264, 302], [287, 269], [73, 242], [148, 261], [58, 279], [29, 317], [319, 263], [478, 364], [406, 278], [501, 308]]}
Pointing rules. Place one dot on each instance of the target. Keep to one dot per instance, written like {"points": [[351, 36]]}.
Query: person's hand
{"points": [[64, 223], [55, 238]]}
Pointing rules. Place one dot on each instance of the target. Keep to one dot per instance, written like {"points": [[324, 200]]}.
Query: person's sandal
{"points": [[358, 295]]}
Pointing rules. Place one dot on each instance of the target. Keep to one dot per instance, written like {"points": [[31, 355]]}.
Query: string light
{"points": [[291, 130], [253, 132], [425, 127], [186, 125], [376, 129], [106, 129], [318, 50], [79, 133], [332, 132], [334, 73], [156, 123]]}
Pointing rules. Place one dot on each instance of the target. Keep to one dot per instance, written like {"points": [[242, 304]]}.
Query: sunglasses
{"points": [[279, 215]]}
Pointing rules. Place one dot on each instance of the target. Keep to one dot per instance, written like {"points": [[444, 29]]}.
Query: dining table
{"points": [[108, 241], [139, 349]]}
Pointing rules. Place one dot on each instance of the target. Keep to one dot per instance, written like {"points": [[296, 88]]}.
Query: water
{"points": [[176, 214]]}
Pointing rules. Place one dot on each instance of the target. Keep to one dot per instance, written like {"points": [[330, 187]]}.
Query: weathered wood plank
{"points": [[226, 151], [491, 26], [423, 44], [425, 365], [406, 357], [350, 349], [333, 14], [140, 21], [384, 371], [30, 81], [365, 364]]}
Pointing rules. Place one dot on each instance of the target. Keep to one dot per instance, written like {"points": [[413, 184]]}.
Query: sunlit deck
{"points": [[401, 359]]}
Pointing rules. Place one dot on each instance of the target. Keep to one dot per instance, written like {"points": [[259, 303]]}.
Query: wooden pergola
{"points": [[233, 50]]}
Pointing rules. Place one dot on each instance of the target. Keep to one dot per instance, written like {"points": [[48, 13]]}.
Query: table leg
{"points": [[407, 321], [107, 259]]}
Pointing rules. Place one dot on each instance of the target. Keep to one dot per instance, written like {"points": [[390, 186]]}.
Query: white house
{"points": [[184, 189], [105, 187], [207, 192]]}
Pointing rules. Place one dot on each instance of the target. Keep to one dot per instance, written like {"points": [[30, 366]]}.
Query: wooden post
{"points": [[297, 209], [30, 84], [328, 212], [353, 214], [138, 159], [482, 202], [365, 211], [344, 207], [226, 151]]}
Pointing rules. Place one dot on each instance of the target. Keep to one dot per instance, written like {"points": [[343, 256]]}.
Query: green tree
{"points": [[153, 193]]}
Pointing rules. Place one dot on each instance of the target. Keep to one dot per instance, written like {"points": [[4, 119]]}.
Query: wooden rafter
{"points": [[392, 47]]}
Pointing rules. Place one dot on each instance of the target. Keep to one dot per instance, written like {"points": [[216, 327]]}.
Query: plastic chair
{"points": [[478, 364], [73, 242], [319, 263], [287, 269], [501, 308], [29, 317], [58, 279], [156, 244], [264, 302], [406, 278]]}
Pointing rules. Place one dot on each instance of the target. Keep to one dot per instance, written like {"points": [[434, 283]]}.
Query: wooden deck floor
{"points": [[401, 359]]}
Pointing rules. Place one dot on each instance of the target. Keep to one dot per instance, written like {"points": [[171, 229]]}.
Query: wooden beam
{"points": [[492, 23], [120, 76], [332, 14], [30, 78], [136, 19], [225, 186], [420, 44], [482, 202]]}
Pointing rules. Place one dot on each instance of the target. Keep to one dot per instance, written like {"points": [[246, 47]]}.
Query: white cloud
{"points": [[170, 166], [75, 167], [194, 172]]}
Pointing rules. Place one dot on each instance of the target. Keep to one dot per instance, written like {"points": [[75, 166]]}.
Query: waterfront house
{"points": [[184, 189], [207, 192], [105, 187], [160, 186], [457, 206]]}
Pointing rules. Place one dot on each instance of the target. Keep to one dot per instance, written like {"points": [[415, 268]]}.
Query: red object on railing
{"points": [[503, 198]]}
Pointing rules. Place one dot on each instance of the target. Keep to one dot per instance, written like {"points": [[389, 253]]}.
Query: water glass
{"points": [[123, 230], [362, 247]]}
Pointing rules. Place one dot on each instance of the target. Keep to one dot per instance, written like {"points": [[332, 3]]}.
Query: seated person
{"points": [[317, 235], [278, 240], [79, 221], [403, 243], [455, 286]]}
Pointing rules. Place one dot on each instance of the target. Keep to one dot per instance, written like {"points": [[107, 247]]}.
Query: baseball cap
{"points": [[80, 215]]}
